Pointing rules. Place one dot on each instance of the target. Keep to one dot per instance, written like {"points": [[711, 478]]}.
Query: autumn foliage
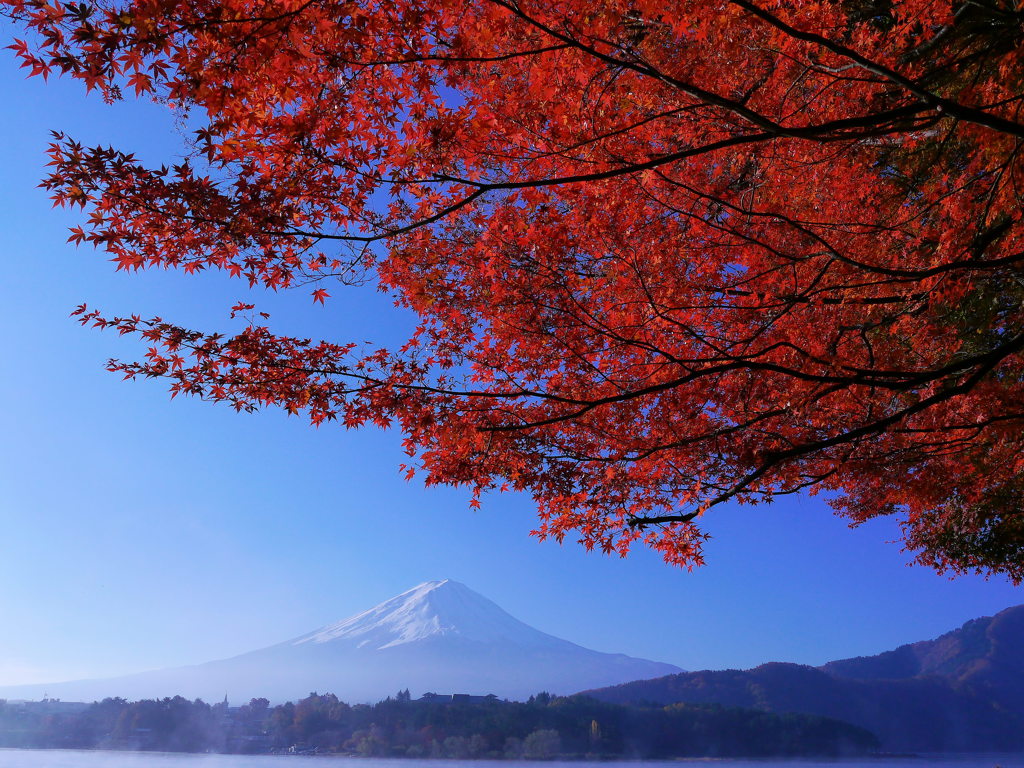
{"points": [[664, 254]]}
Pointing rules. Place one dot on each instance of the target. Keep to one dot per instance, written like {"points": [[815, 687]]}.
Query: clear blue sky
{"points": [[139, 532]]}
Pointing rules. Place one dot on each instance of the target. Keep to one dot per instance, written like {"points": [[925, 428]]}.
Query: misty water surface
{"points": [[47, 758]]}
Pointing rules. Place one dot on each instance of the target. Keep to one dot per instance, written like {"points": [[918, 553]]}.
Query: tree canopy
{"points": [[663, 255]]}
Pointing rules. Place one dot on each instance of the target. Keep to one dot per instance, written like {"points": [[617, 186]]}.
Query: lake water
{"points": [[53, 758]]}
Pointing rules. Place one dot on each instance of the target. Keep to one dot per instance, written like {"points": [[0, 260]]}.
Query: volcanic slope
{"points": [[439, 637]]}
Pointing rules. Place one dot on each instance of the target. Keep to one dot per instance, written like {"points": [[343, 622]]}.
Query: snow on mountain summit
{"points": [[439, 636], [443, 608]]}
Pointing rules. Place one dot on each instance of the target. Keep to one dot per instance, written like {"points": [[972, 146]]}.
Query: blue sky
{"points": [[140, 532]]}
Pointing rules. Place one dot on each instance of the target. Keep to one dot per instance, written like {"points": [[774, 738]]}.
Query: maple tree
{"points": [[663, 255]]}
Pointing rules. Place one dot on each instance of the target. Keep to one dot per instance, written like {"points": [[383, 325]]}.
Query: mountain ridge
{"points": [[961, 691], [959, 653]]}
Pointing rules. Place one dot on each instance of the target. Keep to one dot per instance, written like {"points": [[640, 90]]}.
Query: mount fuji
{"points": [[439, 637]]}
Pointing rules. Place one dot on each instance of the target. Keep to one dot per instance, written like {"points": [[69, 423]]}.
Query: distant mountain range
{"points": [[963, 691], [440, 636]]}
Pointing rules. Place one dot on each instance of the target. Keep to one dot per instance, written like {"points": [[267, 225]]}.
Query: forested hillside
{"points": [[963, 691]]}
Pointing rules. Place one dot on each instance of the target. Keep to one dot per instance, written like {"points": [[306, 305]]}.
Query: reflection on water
{"points": [[56, 758]]}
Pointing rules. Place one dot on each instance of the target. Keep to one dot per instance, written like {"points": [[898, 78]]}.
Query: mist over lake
{"points": [[45, 758], [17, 758]]}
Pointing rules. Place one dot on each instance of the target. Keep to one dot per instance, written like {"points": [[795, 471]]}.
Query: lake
{"points": [[54, 758]]}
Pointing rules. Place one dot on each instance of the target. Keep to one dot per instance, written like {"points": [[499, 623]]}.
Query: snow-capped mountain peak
{"points": [[439, 636], [443, 608]]}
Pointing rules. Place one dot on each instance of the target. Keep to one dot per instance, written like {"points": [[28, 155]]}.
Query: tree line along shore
{"points": [[459, 727]]}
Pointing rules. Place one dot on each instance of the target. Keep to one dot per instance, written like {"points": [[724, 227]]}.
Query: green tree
{"points": [[542, 745]]}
